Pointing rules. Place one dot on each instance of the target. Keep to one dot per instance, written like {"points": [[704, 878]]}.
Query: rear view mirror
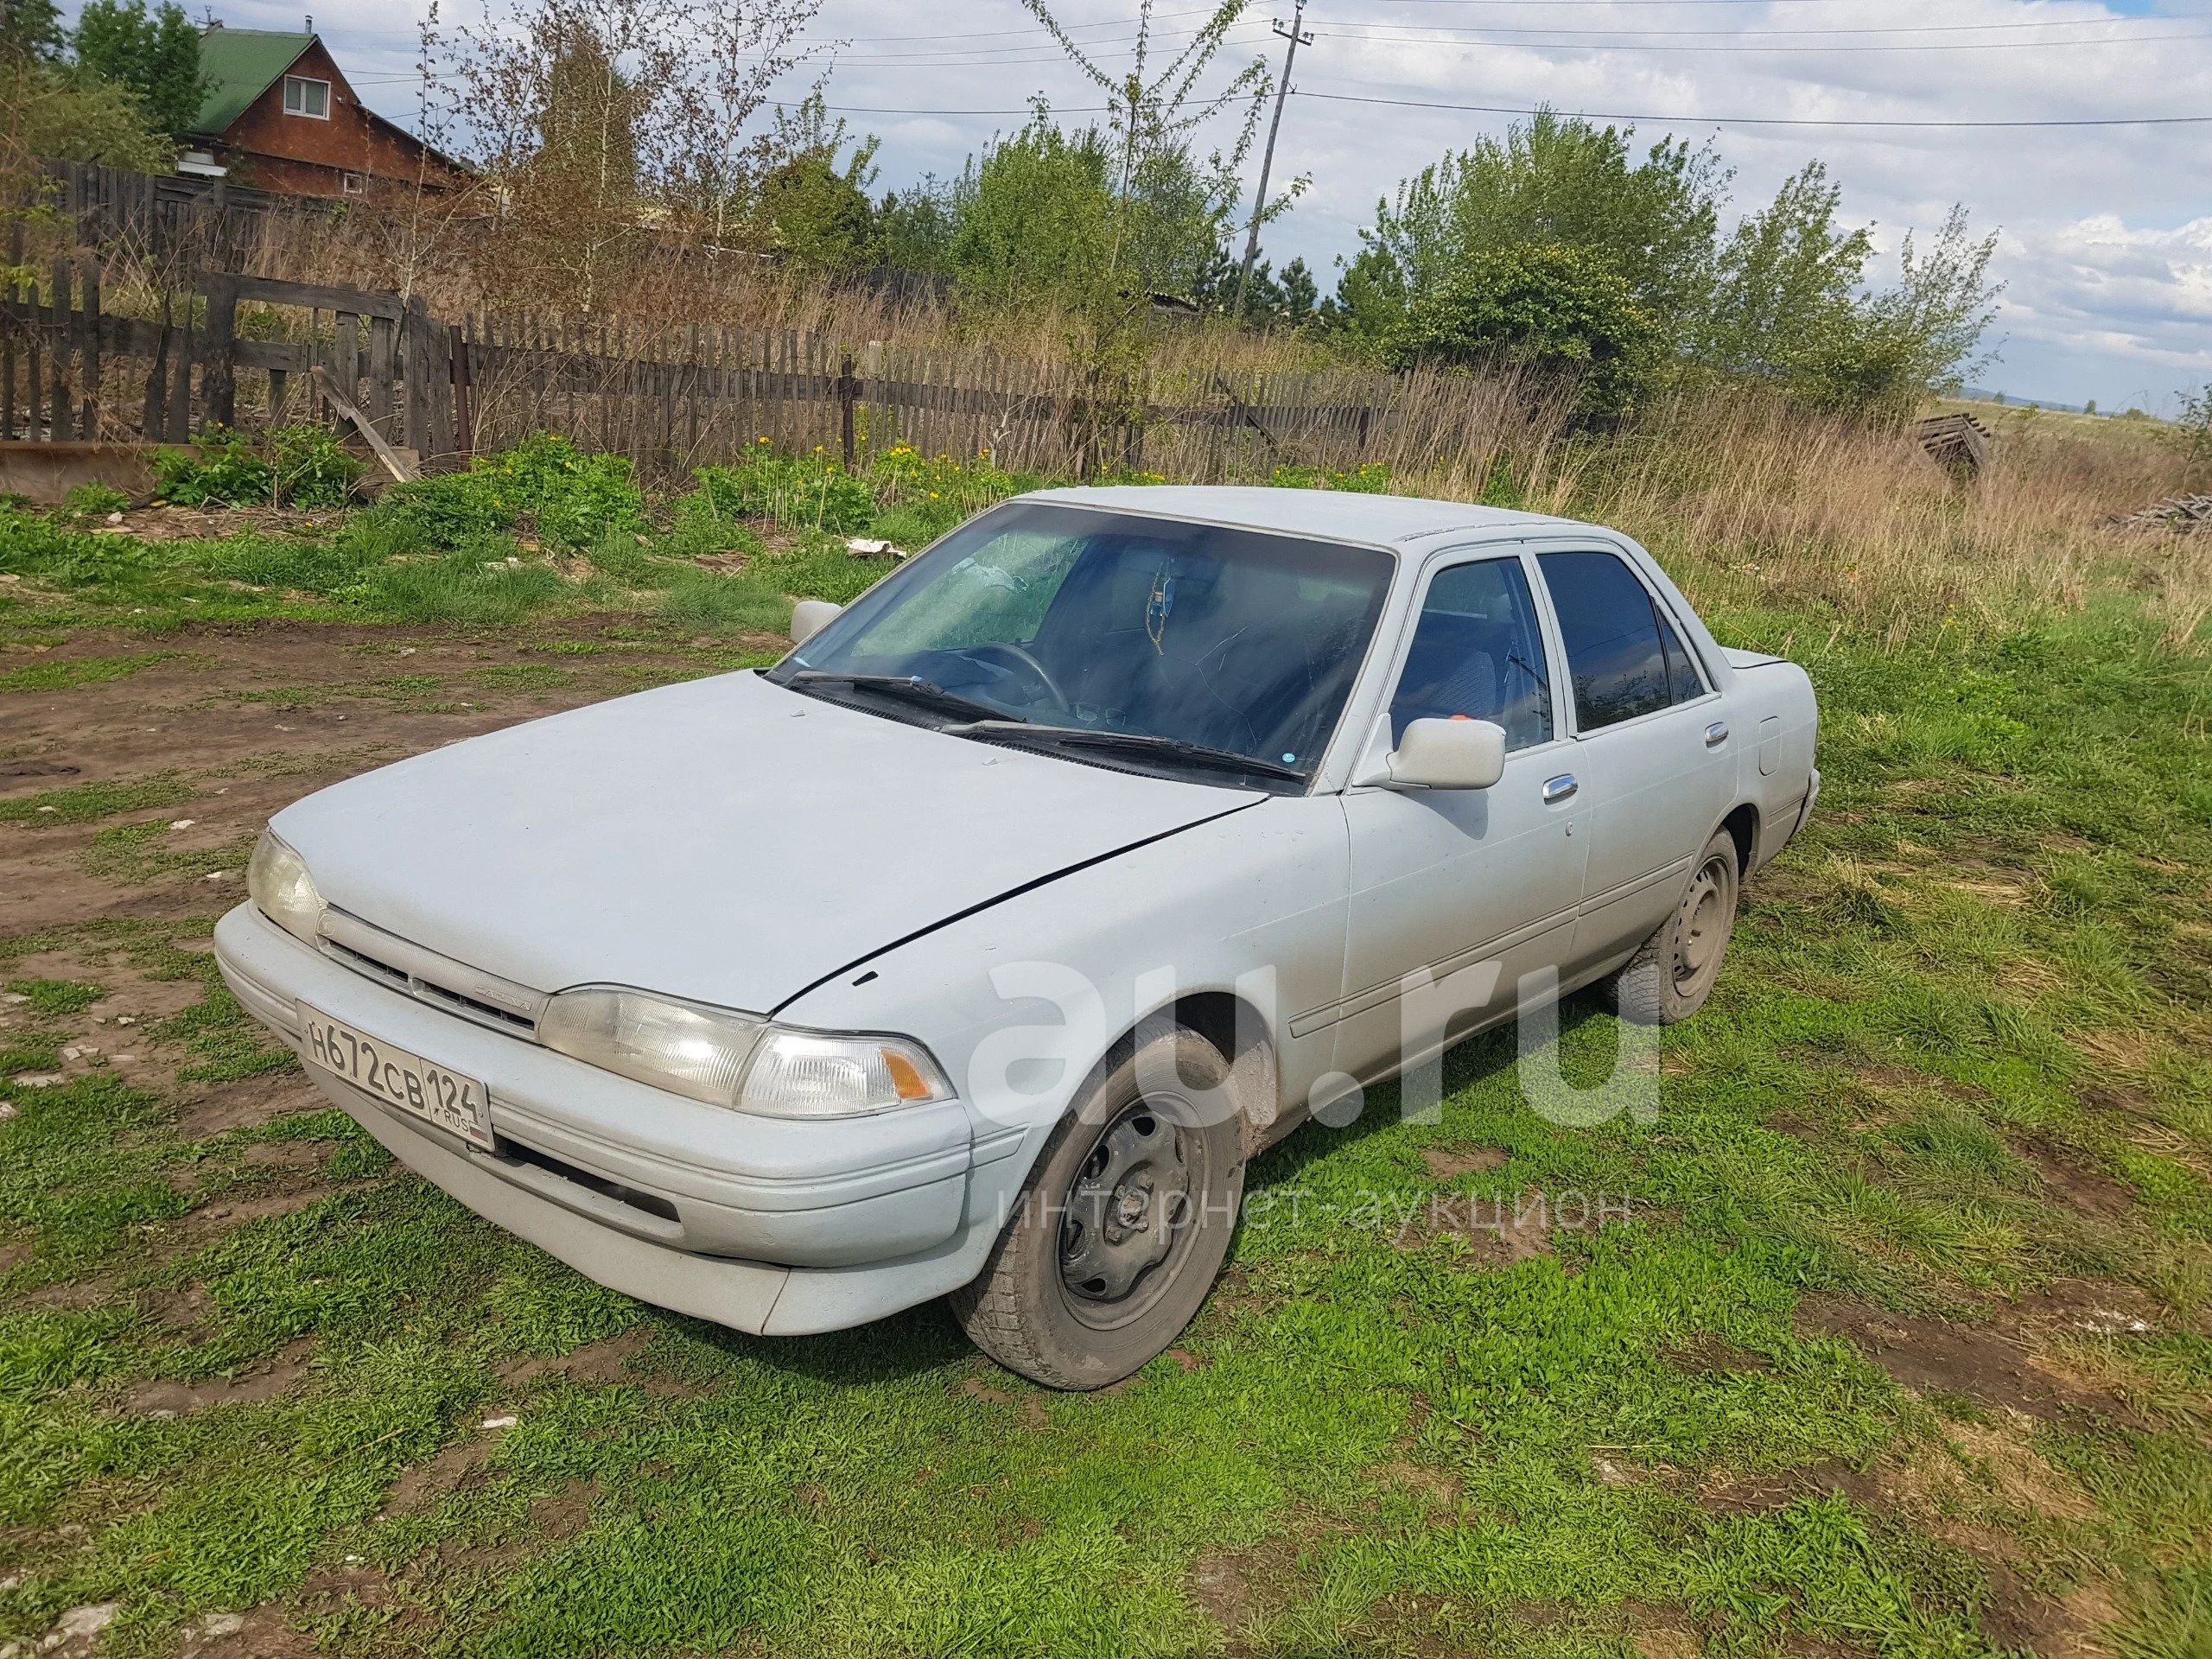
{"points": [[1455, 754], [809, 616]]}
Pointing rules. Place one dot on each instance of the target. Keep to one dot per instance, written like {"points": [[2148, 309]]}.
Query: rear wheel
{"points": [[1124, 1226], [1675, 970]]}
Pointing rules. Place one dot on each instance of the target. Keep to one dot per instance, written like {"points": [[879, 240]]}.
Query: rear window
{"points": [[1615, 655]]}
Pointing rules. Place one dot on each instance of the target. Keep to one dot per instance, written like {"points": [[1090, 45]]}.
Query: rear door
{"points": [[1651, 759], [1456, 894]]}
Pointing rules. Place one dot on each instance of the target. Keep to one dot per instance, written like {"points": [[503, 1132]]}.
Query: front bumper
{"points": [[769, 1225]]}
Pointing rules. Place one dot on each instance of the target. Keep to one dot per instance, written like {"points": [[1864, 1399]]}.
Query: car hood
{"points": [[724, 840]]}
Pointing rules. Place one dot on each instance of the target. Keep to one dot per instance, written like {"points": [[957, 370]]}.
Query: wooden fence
{"points": [[157, 363], [76, 367], [211, 222]]}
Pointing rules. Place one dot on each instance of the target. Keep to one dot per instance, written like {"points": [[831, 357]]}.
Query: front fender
{"points": [[1021, 1000]]}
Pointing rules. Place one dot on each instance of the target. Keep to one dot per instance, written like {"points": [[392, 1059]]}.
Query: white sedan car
{"points": [[974, 948]]}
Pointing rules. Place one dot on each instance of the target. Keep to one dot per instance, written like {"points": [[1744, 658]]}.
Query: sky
{"points": [[2104, 231]]}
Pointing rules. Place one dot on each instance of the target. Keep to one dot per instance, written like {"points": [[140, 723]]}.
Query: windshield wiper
{"points": [[1171, 748], [910, 687]]}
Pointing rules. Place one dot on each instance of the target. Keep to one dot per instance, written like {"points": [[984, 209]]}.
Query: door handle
{"points": [[1716, 735], [1558, 789]]}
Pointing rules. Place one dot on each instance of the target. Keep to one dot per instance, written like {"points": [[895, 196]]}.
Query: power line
{"points": [[1799, 34], [1737, 45], [1761, 120]]}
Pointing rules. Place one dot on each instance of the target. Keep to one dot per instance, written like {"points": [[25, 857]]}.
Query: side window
{"points": [[1477, 651], [1614, 653], [1684, 682]]}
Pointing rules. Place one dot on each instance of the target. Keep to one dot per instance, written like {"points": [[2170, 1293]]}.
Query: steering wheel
{"points": [[1022, 659]]}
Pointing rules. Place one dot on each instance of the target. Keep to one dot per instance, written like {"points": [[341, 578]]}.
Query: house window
{"points": [[352, 184], [305, 97]]}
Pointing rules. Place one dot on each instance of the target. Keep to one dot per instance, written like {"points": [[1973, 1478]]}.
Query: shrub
{"points": [[221, 470], [312, 469], [1546, 307]]}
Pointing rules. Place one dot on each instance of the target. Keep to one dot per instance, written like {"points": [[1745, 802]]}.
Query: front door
{"points": [[1456, 894]]}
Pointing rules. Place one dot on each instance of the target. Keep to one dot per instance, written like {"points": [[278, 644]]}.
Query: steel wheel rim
{"points": [[1706, 916], [1125, 1222]]}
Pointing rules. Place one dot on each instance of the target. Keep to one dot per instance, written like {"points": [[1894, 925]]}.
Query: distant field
{"points": [[1891, 1336]]}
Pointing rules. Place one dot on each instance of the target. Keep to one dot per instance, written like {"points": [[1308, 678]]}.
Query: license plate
{"points": [[453, 1103]]}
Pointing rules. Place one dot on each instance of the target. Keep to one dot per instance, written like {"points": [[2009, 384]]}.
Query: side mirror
{"points": [[809, 616], [1449, 755]]}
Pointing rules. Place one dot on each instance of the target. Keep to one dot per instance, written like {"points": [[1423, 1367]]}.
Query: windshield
{"points": [[1228, 640]]}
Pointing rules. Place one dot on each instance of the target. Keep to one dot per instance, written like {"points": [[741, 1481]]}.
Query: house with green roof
{"points": [[280, 115]]}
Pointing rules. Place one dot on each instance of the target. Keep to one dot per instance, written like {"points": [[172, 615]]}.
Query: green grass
{"points": [[87, 803], [1956, 1069], [77, 671]]}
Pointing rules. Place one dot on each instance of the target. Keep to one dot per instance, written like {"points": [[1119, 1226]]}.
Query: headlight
{"points": [[694, 1051], [279, 881], [735, 1059]]}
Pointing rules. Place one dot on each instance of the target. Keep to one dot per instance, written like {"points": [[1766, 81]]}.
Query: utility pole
{"points": [[1297, 36]]}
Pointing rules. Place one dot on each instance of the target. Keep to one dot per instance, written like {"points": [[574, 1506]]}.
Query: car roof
{"points": [[1341, 515]]}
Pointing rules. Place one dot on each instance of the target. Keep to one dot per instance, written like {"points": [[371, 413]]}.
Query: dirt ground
{"points": [[232, 724]]}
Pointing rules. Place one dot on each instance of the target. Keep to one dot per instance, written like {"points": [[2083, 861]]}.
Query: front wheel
{"points": [[1124, 1225], [1675, 970]]}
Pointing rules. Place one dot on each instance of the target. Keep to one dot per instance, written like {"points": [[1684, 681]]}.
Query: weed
{"points": [[87, 503], [312, 470], [60, 996], [810, 492], [220, 470]]}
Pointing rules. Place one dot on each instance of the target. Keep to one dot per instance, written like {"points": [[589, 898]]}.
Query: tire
{"points": [[1079, 1292], [1673, 971]]}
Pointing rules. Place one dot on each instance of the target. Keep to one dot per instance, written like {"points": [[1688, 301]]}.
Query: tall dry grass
{"points": [[1747, 498], [1755, 496]]}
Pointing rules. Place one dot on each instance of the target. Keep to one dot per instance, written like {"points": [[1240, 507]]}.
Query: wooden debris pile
{"points": [[2177, 515], [1958, 441]]}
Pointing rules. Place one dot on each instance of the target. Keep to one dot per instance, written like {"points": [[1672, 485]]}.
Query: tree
{"points": [[1562, 180], [590, 120], [914, 227], [30, 28], [1299, 293], [1035, 219], [1371, 298], [51, 113], [1170, 211], [156, 55], [1543, 307], [1784, 282], [815, 208]]}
